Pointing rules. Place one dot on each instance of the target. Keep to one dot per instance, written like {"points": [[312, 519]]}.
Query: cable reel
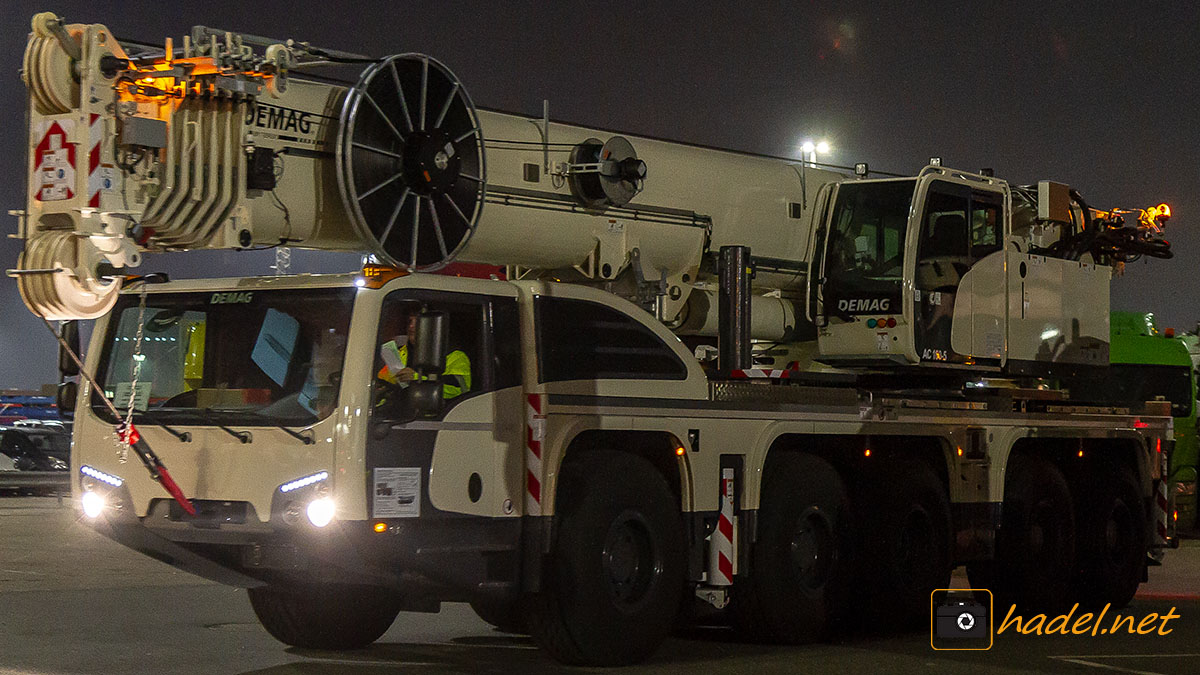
{"points": [[608, 174], [410, 162]]}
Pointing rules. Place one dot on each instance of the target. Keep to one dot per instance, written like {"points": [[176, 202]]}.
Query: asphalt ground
{"points": [[72, 601]]}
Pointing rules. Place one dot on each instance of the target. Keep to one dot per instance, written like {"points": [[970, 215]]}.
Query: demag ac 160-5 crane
{"points": [[893, 394]]}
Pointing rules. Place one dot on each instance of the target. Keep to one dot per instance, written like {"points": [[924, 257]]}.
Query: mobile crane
{"points": [[594, 472]]}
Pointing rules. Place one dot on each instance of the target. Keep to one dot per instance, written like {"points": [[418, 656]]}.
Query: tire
{"points": [[797, 589], [615, 573], [1034, 565], [906, 550], [1111, 539], [325, 616], [504, 616]]}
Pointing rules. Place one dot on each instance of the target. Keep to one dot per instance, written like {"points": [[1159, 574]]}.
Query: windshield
{"points": [[864, 258], [268, 357]]}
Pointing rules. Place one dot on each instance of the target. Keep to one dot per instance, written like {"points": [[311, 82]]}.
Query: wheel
{"points": [[616, 568], [1111, 539], [1035, 547], [325, 616], [905, 549], [797, 587], [502, 615]]}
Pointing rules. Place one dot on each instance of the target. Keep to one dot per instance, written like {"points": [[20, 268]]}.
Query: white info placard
{"points": [[397, 492]]}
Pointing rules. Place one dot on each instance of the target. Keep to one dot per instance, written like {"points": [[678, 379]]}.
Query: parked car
{"points": [[35, 448]]}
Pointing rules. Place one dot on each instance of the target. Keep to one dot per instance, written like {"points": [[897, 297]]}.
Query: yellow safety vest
{"points": [[457, 371]]}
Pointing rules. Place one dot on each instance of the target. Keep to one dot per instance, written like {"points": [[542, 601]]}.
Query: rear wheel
{"points": [[905, 549], [1035, 547], [616, 571], [1112, 538], [798, 580], [325, 616]]}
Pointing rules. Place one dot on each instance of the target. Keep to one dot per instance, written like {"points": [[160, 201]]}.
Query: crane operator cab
{"points": [[931, 270]]}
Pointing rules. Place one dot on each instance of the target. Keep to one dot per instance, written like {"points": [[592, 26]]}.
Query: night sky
{"points": [[1104, 100]]}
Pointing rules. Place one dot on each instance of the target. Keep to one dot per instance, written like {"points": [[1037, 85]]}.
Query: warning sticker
{"points": [[55, 163], [397, 492]]}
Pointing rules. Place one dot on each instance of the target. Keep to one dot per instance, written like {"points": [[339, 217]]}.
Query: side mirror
{"points": [[427, 353], [69, 331], [65, 399]]}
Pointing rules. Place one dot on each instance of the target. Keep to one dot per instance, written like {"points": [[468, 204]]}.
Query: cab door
{"points": [[958, 285], [456, 460]]}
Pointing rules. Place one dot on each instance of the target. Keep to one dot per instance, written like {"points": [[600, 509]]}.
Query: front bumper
{"points": [[430, 559]]}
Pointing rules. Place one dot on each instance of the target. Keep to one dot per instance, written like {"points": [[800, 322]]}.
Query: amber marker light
{"points": [[375, 276], [867, 452], [381, 527], [679, 451]]}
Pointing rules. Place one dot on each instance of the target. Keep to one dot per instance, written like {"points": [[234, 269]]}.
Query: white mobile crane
{"points": [[588, 471]]}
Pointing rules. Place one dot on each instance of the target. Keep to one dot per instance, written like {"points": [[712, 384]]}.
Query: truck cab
{"points": [[268, 395], [953, 268]]}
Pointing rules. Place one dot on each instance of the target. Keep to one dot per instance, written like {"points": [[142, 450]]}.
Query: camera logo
{"points": [[960, 618]]}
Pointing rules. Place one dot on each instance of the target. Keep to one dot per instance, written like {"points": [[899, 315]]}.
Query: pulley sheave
{"points": [[410, 161]]}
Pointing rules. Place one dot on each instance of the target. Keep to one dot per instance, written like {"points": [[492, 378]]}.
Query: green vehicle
{"points": [[1147, 364]]}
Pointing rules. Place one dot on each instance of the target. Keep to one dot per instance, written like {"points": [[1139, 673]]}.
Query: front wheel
{"points": [[616, 570], [503, 615], [325, 616]]}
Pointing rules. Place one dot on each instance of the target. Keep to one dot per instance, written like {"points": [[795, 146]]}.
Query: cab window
{"points": [[474, 364], [581, 340]]}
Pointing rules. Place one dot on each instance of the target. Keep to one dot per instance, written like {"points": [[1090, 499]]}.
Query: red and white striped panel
{"points": [[95, 173], [720, 548], [535, 432], [1160, 506], [761, 373]]}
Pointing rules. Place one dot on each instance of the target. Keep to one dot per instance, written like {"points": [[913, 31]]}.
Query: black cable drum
{"points": [[410, 162]]}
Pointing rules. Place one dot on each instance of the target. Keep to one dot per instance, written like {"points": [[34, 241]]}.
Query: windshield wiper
{"points": [[307, 440], [183, 436], [273, 421], [278, 424], [206, 415]]}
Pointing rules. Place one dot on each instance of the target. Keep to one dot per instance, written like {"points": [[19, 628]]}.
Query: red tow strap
{"points": [[158, 471]]}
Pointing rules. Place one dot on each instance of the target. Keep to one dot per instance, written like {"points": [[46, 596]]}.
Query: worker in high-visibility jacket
{"points": [[456, 374]]}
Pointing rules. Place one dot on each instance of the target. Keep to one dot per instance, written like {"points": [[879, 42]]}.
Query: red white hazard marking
{"points": [[1160, 496], [1160, 503], [55, 163], [761, 373], [100, 177], [535, 433], [720, 550]]}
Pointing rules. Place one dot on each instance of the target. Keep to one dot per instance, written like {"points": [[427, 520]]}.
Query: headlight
{"points": [[304, 482], [320, 511], [93, 504]]}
